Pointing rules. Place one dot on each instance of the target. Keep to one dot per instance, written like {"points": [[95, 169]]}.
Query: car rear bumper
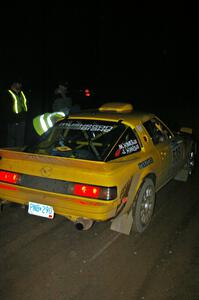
{"points": [[71, 207]]}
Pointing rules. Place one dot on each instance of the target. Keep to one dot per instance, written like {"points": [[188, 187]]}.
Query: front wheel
{"points": [[191, 159], [144, 206]]}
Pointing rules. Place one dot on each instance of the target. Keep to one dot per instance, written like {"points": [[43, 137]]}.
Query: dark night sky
{"points": [[137, 51]]}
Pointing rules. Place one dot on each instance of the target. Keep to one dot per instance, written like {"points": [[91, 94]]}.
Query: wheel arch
{"points": [[142, 214], [136, 185], [152, 176], [124, 220]]}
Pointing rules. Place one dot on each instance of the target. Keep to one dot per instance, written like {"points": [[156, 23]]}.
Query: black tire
{"points": [[144, 206]]}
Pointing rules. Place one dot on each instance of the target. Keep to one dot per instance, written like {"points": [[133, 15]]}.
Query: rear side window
{"points": [[157, 130]]}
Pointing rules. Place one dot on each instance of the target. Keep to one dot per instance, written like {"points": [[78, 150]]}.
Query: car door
{"points": [[178, 154], [161, 138]]}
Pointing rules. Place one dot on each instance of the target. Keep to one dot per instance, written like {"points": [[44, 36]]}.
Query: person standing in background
{"points": [[62, 99], [14, 108]]}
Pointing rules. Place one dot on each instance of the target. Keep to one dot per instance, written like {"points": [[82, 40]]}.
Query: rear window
{"points": [[83, 139]]}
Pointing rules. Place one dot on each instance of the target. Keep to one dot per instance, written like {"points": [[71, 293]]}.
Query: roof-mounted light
{"points": [[118, 107]]}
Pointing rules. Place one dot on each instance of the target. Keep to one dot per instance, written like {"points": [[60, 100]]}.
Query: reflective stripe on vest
{"points": [[56, 116], [43, 122], [16, 102]]}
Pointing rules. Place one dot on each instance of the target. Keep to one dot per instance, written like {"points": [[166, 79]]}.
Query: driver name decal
{"points": [[129, 147]]}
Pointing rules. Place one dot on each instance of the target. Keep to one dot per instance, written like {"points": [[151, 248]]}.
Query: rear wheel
{"points": [[144, 206]]}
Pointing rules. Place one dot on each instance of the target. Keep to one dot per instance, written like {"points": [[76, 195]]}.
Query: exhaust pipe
{"points": [[83, 224]]}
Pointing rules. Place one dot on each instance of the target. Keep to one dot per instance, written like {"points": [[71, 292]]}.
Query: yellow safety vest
{"points": [[45, 121], [19, 102]]}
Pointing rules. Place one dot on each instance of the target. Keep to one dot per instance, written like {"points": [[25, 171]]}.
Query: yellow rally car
{"points": [[97, 166]]}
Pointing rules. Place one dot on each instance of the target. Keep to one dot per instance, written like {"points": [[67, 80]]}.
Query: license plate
{"points": [[41, 210]]}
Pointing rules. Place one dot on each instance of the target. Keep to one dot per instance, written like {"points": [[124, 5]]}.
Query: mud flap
{"points": [[182, 175], [123, 223], [2, 203]]}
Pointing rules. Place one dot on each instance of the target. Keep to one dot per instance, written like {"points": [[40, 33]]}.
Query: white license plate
{"points": [[41, 210]]}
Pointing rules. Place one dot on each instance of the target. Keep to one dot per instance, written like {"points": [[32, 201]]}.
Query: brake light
{"points": [[9, 177], [86, 190], [92, 191]]}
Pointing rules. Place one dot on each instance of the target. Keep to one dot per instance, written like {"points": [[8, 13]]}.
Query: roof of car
{"points": [[133, 117]]}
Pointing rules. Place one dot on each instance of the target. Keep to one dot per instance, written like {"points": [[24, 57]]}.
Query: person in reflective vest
{"points": [[45, 121], [14, 113]]}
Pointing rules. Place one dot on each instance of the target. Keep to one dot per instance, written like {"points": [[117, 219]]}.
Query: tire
{"points": [[191, 159], [144, 207]]}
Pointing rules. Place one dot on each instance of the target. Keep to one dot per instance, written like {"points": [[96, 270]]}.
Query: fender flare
{"points": [[124, 220]]}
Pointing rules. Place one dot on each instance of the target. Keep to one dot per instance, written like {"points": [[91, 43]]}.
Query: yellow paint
{"points": [[113, 173]]}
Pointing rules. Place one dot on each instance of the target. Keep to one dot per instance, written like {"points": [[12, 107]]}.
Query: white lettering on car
{"points": [[129, 147], [145, 163], [86, 127]]}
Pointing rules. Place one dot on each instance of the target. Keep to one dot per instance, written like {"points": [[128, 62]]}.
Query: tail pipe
{"points": [[83, 224]]}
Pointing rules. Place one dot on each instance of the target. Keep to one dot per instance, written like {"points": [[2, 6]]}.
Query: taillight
{"points": [[92, 191], [86, 190], [9, 177]]}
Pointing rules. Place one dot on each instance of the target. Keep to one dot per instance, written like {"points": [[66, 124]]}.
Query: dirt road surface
{"points": [[52, 260]]}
